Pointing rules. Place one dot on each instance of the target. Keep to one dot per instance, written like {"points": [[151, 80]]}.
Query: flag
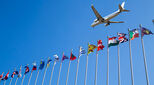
{"points": [[56, 57], [82, 51], [72, 57], [1, 76], [112, 41], [6, 76], [122, 38], [48, 62], [145, 31], [19, 74], [64, 57], [14, 73], [133, 34], [100, 46], [34, 66], [91, 48], [27, 69], [42, 63]]}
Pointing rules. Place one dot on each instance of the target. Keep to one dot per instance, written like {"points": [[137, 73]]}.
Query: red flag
{"points": [[1, 76], [72, 57], [100, 46], [6, 76]]}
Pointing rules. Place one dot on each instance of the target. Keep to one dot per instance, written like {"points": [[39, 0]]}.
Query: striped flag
{"points": [[122, 38], [82, 51]]}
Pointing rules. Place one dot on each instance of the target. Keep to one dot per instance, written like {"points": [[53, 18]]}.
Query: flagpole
{"points": [[37, 77], [107, 61], [23, 79], [77, 68], [16, 81], [52, 72], [119, 81], [10, 81], [131, 64], [86, 70], [96, 68], [59, 72], [44, 75], [68, 71], [145, 64], [30, 77], [4, 82]]}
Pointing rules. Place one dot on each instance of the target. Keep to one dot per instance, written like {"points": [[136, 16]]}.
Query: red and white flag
{"points": [[100, 46]]}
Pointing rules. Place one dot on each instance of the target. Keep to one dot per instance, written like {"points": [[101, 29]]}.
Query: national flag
{"points": [[112, 41], [48, 62], [14, 73], [100, 45], [42, 63], [64, 57], [6, 76], [34, 66], [145, 31], [72, 57], [27, 69], [1, 76], [91, 48], [122, 38], [133, 34], [82, 51], [19, 75], [56, 57]]}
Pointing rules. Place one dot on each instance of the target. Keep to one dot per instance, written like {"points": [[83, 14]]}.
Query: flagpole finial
{"points": [[140, 25]]}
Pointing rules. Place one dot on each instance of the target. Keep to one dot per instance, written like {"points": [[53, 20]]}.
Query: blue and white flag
{"points": [[56, 57], [82, 51]]}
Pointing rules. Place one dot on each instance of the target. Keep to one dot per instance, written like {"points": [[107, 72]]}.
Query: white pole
{"points": [[59, 73], [52, 72], [30, 78], [119, 82], [96, 68], [86, 71], [131, 64], [16, 80], [10, 81], [68, 71], [4, 82], [23, 79], [145, 64], [44, 75], [37, 77], [107, 62]]}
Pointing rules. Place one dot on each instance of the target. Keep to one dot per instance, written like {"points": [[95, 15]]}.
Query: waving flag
{"points": [[112, 41], [14, 73], [145, 31], [56, 57], [6, 76], [1, 76], [122, 38], [34, 66], [19, 75], [82, 51], [100, 46], [91, 48], [42, 63], [133, 34], [48, 62], [64, 57], [72, 57], [27, 69]]}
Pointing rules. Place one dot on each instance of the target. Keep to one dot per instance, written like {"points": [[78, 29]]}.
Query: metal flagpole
{"points": [[44, 75], [119, 66], [30, 77], [16, 80], [96, 68], [77, 68], [68, 71], [145, 64], [37, 77], [107, 82], [23, 79], [86, 70], [52, 72], [4, 82], [59, 73], [131, 64], [10, 81]]}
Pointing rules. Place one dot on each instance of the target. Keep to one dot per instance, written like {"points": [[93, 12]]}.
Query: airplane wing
{"points": [[116, 21], [96, 13]]}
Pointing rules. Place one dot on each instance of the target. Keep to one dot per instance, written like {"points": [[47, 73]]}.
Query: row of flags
{"points": [[113, 41]]}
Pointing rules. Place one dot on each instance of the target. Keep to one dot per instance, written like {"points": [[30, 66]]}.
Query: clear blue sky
{"points": [[32, 30]]}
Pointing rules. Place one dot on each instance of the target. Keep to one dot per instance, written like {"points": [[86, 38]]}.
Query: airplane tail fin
{"points": [[122, 9]]}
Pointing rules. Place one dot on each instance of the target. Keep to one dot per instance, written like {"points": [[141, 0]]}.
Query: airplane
{"points": [[106, 19]]}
